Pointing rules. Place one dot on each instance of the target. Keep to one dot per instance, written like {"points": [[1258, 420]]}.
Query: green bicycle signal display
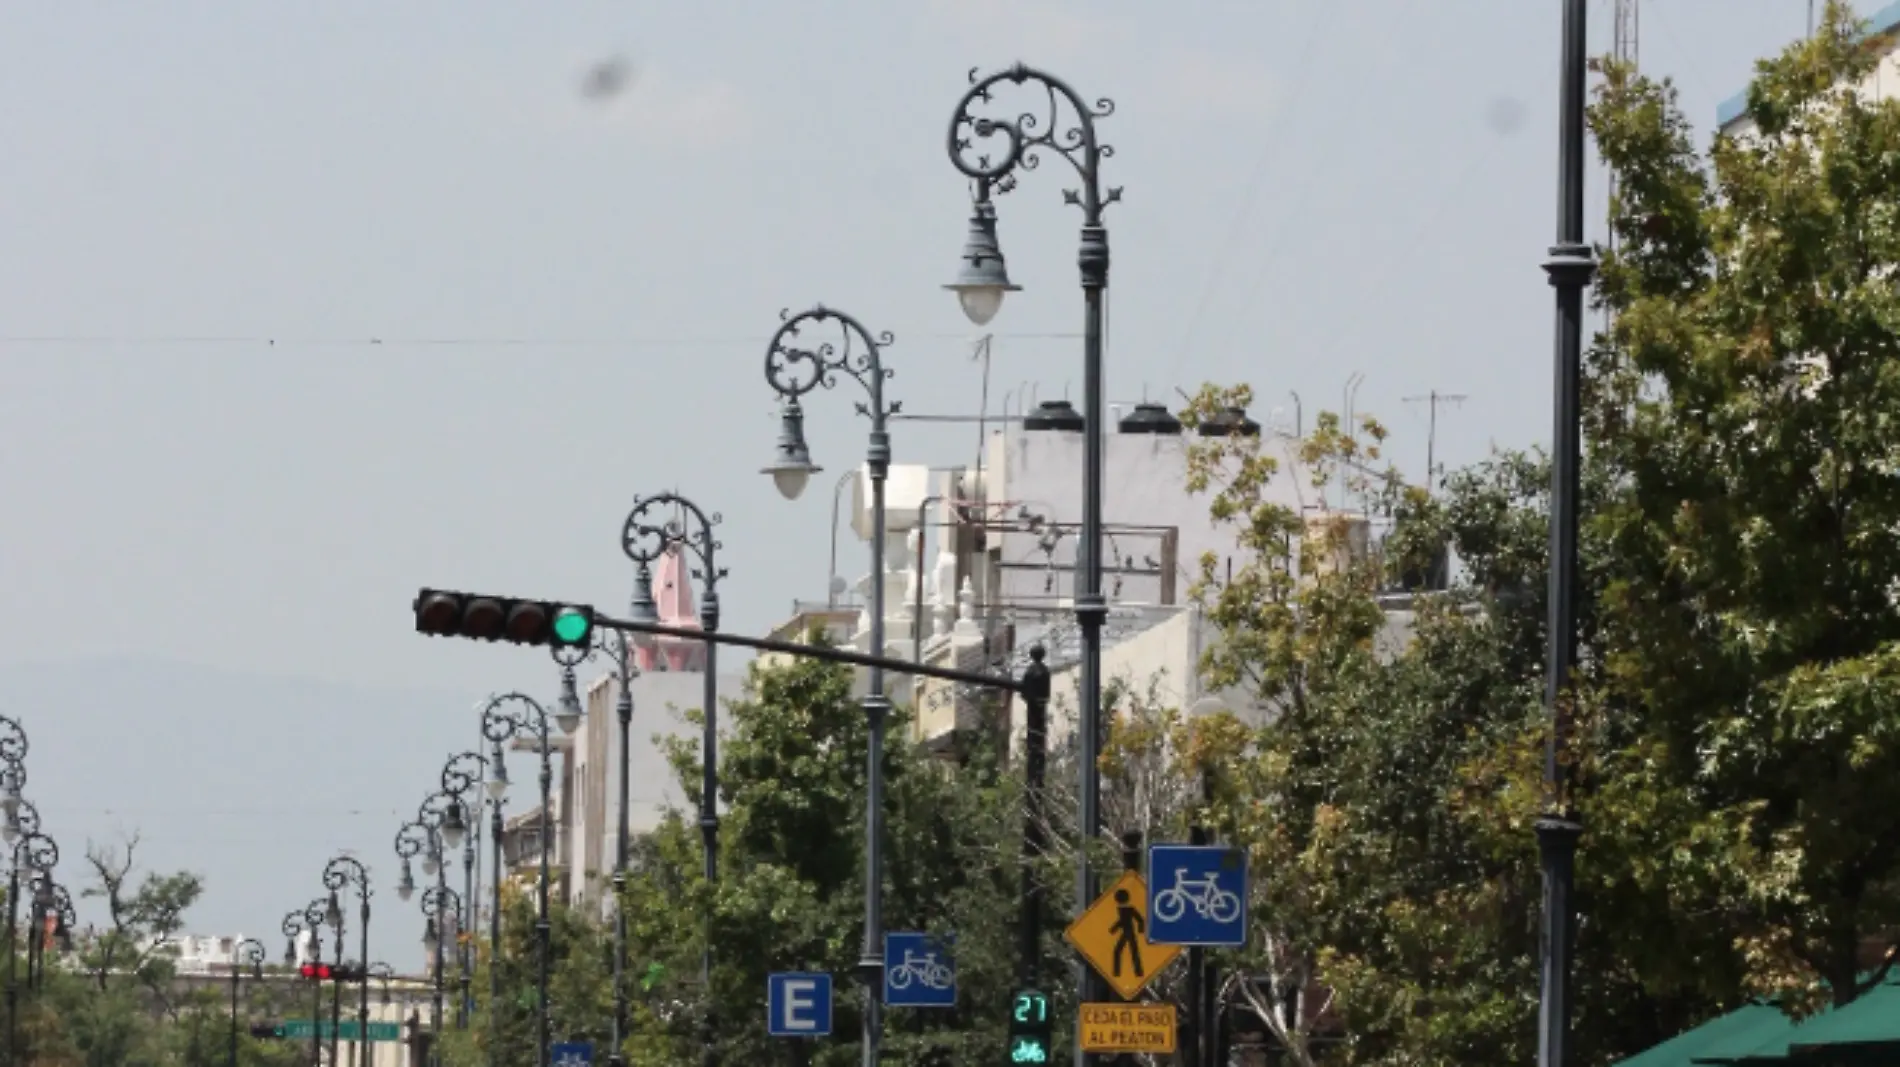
{"points": [[1029, 1029]]}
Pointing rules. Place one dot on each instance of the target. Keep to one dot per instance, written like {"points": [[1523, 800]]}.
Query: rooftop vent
{"points": [[1150, 418], [1232, 422], [1058, 415]]}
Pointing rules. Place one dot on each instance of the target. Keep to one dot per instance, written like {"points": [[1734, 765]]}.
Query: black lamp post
{"points": [[344, 871], [435, 900], [1569, 268], [645, 537], [333, 918], [500, 724], [461, 776], [795, 367], [384, 974], [980, 287], [310, 921], [425, 836], [249, 953], [50, 901], [618, 648], [38, 854]]}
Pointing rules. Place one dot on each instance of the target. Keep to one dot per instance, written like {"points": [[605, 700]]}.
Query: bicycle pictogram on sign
{"points": [[919, 972], [1198, 896]]}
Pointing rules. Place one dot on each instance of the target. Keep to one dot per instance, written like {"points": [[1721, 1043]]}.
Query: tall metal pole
{"points": [[13, 993], [1569, 268], [495, 829], [794, 370], [313, 921], [336, 996], [465, 928], [1035, 764], [623, 711], [542, 933], [1083, 149]]}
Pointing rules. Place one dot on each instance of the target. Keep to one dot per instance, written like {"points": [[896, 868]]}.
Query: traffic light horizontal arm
{"points": [[821, 652]]}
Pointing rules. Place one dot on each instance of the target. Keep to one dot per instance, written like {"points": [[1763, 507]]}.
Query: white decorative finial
{"points": [[966, 612]]}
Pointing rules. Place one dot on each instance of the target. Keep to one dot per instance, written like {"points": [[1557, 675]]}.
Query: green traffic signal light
{"points": [[572, 626], [1028, 1050]]}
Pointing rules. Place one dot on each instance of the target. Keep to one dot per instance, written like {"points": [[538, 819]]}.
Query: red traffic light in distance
{"points": [[326, 972], [447, 613]]}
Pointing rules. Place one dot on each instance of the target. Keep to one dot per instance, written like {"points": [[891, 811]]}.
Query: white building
{"points": [[1001, 577], [1884, 83]]}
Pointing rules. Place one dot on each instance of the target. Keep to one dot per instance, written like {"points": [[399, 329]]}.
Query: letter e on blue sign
{"points": [[798, 1005]]}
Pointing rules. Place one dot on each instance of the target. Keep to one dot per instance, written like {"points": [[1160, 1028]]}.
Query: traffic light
{"points": [[445, 613], [1029, 1030], [331, 972]]}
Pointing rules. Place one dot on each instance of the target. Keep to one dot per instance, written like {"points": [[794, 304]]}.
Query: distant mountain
{"points": [[253, 781]]}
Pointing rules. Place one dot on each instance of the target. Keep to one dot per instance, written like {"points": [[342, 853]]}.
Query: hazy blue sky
{"points": [[305, 305]]}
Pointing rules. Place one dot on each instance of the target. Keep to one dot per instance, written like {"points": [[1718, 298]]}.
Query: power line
{"points": [[269, 341]]}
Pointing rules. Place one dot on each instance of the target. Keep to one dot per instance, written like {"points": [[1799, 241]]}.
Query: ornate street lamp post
{"points": [[347, 871], [980, 286], [500, 724], [794, 367], [645, 537], [249, 953]]}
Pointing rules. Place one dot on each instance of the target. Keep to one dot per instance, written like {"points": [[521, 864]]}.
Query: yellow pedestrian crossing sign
{"points": [[1113, 936]]}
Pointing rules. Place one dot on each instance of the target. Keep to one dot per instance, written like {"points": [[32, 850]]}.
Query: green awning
{"points": [[1743, 1029], [1864, 1032]]}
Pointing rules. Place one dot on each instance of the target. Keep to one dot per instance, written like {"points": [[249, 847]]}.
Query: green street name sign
{"points": [[348, 1031]]}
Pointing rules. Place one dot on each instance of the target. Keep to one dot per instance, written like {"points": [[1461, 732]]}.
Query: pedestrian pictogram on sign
{"points": [[1113, 936]]}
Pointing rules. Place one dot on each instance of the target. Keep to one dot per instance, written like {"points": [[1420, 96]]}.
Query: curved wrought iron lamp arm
{"points": [[13, 746], [26, 819], [645, 539], [36, 851], [411, 839], [794, 367], [346, 870], [500, 725], [457, 779], [251, 953], [438, 898], [1029, 134]]}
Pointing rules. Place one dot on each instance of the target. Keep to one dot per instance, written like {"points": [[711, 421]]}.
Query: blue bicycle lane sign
{"points": [[919, 972], [1197, 895]]}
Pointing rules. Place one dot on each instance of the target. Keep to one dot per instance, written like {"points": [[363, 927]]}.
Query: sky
{"points": [[303, 307]]}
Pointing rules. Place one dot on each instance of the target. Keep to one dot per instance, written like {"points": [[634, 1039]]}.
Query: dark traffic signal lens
{"points": [[482, 619], [528, 623], [438, 613]]}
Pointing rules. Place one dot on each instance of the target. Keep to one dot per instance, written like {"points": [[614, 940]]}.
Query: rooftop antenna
{"points": [[1434, 398]]}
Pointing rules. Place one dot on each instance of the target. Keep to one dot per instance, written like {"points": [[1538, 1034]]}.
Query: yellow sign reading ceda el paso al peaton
{"points": [[1113, 936], [1127, 1028]]}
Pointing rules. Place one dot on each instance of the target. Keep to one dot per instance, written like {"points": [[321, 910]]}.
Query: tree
{"points": [[580, 996], [1742, 408], [790, 897]]}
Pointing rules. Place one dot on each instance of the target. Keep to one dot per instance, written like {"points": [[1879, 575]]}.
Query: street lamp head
{"points": [[406, 887], [290, 952], [452, 825], [432, 859], [333, 912], [642, 608], [791, 465], [567, 715], [983, 278], [430, 939], [497, 774], [10, 791], [10, 827]]}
